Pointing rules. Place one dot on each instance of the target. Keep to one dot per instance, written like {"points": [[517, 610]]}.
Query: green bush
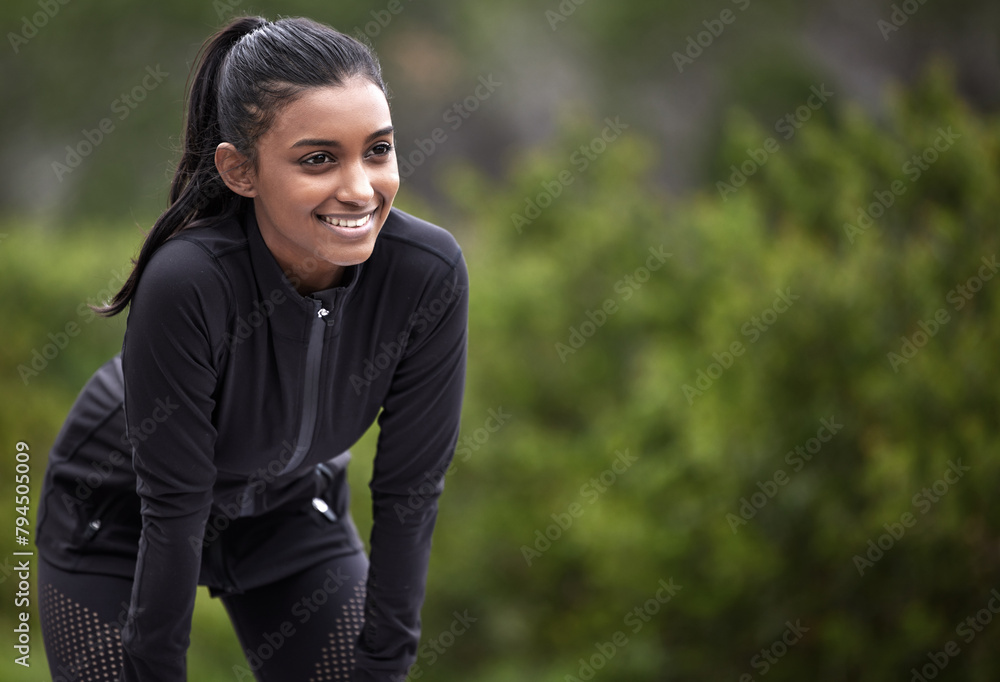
{"points": [[706, 435]]}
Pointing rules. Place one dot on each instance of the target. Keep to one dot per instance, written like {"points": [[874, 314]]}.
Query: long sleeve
{"points": [[170, 378], [418, 430]]}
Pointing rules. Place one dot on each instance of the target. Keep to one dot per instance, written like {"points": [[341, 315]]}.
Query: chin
{"points": [[347, 257]]}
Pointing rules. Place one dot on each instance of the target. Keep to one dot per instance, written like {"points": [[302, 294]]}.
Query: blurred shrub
{"points": [[864, 368]]}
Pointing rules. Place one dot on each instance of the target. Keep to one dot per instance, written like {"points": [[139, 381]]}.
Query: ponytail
{"points": [[243, 74], [197, 191]]}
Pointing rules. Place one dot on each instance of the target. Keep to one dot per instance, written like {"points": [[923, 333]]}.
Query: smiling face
{"points": [[324, 180]]}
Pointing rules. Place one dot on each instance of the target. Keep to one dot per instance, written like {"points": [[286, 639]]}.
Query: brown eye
{"points": [[318, 159]]}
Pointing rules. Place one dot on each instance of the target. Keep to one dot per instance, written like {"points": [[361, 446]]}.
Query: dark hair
{"points": [[245, 73]]}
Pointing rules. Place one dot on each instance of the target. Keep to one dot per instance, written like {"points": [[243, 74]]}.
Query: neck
{"points": [[307, 281]]}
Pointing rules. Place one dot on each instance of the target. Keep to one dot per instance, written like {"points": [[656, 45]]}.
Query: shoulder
{"points": [[406, 238], [195, 248], [192, 260], [186, 284]]}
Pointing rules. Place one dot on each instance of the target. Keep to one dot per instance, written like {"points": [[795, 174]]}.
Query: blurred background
{"points": [[732, 406]]}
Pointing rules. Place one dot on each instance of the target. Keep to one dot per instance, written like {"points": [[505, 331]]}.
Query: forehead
{"points": [[347, 112]]}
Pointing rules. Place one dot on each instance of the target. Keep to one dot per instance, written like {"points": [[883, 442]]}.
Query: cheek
{"points": [[387, 180], [302, 194]]}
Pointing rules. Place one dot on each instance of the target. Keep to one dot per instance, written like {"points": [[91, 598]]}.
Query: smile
{"points": [[337, 222]]}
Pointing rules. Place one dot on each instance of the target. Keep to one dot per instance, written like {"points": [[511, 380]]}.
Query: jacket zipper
{"points": [[310, 387]]}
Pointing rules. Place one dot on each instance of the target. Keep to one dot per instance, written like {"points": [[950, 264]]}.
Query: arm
{"points": [[168, 365], [418, 430]]}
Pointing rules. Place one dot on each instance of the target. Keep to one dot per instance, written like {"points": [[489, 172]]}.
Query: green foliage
{"points": [[703, 449], [695, 365]]}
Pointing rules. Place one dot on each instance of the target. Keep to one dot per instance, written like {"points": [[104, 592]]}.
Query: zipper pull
{"points": [[322, 312], [92, 529], [320, 505]]}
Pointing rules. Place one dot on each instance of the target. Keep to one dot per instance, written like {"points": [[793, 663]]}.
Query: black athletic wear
{"points": [[241, 394], [300, 627], [303, 627]]}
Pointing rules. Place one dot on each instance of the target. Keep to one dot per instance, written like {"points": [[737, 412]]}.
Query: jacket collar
{"points": [[290, 308]]}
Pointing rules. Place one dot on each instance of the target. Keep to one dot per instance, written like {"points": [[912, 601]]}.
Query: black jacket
{"points": [[236, 387]]}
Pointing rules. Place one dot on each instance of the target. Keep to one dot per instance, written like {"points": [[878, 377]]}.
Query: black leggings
{"points": [[303, 627]]}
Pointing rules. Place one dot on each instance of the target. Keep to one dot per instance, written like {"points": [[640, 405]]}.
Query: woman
{"points": [[277, 308]]}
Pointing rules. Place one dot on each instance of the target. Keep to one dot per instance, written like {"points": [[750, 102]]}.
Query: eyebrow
{"points": [[315, 142]]}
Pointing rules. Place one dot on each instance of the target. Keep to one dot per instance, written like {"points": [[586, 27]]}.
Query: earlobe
{"points": [[235, 170]]}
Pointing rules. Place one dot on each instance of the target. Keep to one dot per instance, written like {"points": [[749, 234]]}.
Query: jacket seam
{"points": [[451, 261], [90, 432]]}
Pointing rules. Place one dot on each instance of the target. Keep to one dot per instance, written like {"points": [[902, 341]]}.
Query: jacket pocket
{"points": [[332, 499], [112, 525]]}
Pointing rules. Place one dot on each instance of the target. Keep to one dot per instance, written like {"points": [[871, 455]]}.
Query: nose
{"points": [[354, 186]]}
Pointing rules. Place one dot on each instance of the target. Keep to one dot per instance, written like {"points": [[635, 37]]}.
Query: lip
{"points": [[351, 233]]}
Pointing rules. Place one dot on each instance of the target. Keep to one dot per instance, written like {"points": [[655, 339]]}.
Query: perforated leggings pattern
{"points": [[338, 657], [82, 647], [302, 628]]}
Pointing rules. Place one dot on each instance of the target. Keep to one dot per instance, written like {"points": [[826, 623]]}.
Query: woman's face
{"points": [[324, 181]]}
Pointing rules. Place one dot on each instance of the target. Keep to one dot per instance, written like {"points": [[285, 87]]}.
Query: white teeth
{"points": [[346, 223]]}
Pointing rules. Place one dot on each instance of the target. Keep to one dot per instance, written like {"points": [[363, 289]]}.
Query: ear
{"points": [[235, 170]]}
